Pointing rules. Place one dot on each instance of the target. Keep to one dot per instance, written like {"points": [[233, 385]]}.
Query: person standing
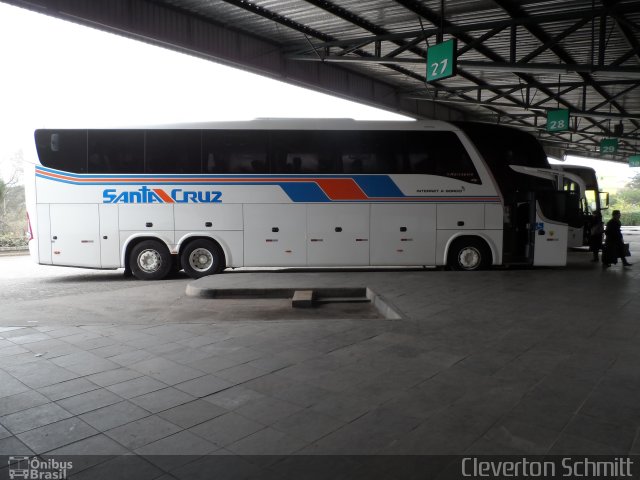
{"points": [[614, 244], [595, 235]]}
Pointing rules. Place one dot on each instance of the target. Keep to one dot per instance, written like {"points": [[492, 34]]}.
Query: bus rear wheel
{"points": [[469, 254], [150, 260], [201, 258]]}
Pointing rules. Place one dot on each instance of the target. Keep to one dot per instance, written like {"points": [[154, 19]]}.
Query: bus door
{"points": [[518, 238], [75, 235], [555, 211], [561, 206]]}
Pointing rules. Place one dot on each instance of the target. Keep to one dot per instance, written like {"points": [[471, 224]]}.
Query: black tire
{"points": [[469, 254], [201, 258], [150, 260]]}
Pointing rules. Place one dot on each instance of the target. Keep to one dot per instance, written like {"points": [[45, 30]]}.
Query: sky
{"points": [[57, 74]]}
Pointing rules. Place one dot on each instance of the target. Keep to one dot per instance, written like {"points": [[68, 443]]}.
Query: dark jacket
{"points": [[614, 234], [614, 244]]}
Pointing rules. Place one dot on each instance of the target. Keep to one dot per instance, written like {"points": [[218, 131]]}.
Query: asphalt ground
{"points": [[506, 361]]}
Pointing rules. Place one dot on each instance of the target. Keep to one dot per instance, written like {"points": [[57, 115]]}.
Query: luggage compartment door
{"points": [[75, 235]]}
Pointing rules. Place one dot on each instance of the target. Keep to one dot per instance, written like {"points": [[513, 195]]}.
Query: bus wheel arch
{"points": [[469, 253], [148, 258], [202, 256]]}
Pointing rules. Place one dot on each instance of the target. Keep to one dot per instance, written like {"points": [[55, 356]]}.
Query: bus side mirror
{"points": [[604, 200]]}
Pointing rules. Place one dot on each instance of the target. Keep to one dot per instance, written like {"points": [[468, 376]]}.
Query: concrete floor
{"points": [[543, 361]]}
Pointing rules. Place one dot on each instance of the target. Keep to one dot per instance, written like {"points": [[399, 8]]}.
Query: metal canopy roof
{"points": [[516, 58]]}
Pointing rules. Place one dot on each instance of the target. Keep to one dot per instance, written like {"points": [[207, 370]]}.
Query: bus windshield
{"points": [[502, 147]]}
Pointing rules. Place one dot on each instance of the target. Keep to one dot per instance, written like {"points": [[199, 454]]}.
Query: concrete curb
{"points": [[9, 251], [384, 308]]}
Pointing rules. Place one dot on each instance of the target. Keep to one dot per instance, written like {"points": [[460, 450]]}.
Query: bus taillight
{"points": [[29, 229]]}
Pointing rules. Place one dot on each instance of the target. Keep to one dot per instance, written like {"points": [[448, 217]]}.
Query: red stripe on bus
{"points": [[341, 189], [163, 195]]}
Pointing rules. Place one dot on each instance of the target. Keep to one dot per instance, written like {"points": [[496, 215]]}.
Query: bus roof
{"points": [[293, 124]]}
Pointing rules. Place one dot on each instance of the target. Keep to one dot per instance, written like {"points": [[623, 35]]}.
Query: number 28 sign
{"points": [[557, 120], [441, 60]]}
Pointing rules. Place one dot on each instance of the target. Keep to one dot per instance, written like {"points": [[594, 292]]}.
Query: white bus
{"points": [[290, 193]]}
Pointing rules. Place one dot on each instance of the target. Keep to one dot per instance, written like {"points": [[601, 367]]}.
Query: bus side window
{"points": [[302, 163], [215, 164], [249, 162], [370, 152], [173, 151], [419, 163], [116, 151], [237, 151], [300, 152], [63, 149]]}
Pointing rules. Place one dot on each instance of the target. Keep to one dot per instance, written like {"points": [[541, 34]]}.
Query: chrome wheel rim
{"points": [[149, 261], [201, 260], [469, 258]]}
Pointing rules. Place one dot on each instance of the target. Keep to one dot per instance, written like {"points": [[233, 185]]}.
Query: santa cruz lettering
{"points": [[159, 195]]}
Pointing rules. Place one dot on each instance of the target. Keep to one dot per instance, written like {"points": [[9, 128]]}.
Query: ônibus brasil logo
{"points": [[34, 468], [158, 195]]}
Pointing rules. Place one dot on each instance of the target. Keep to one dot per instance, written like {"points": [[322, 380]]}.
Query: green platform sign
{"points": [[608, 146], [441, 60], [558, 120], [634, 161]]}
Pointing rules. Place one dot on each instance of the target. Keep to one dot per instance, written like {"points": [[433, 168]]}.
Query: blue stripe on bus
{"points": [[376, 187], [304, 192]]}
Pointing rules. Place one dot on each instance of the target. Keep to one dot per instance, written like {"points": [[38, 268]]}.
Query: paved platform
{"points": [[543, 361]]}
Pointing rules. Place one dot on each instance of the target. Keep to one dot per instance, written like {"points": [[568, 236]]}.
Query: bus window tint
{"points": [[63, 149], [300, 152], [438, 153], [172, 151], [116, 151], [235, 151], [369, 152]]}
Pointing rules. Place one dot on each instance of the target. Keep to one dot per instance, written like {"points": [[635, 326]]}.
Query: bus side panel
{"points": [[275, 235], [145, 220], [338, 234], [43, 233], [403, 234], [109, 236], [464, 217], [146, 217], [75, 235], [494, 217], [208, 217]]}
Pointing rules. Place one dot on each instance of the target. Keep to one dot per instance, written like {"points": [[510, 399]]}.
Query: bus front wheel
{"points": [[469, 254], [201, 258], [150, 260]]}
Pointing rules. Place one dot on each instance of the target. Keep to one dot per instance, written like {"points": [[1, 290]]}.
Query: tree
{"points": [[12, 205], [627, 200], [3, 204], [634, 183]]}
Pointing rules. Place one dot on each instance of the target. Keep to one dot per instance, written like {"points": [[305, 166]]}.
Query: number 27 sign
{"points": [[441, 60]]}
